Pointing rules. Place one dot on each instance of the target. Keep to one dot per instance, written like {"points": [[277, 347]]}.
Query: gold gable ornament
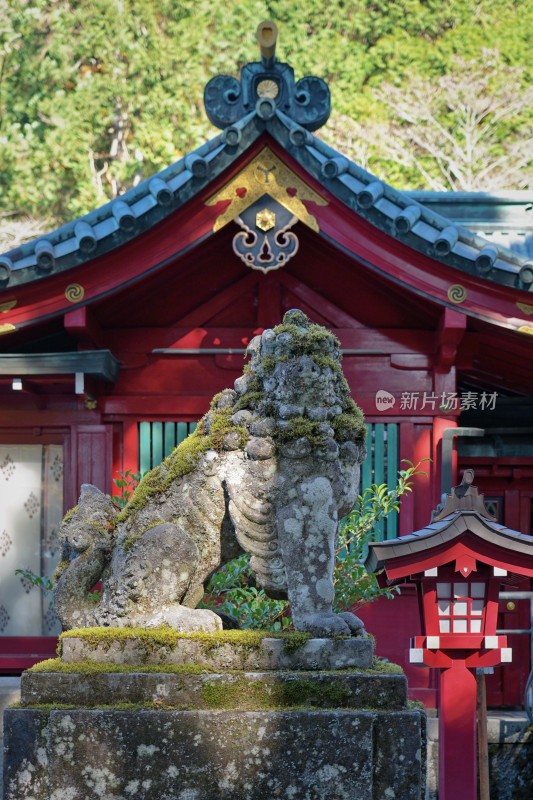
{"points": [[266, 200], [265, 220]]}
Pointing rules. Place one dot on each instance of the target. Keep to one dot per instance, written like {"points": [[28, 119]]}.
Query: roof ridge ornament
{"points": [[267, 86], [464, 497], [267, 36]]}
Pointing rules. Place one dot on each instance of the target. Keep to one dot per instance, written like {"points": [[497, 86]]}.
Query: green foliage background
{"points": [[96, 95]]}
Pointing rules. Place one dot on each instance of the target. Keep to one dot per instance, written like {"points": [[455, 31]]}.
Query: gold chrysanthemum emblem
{"points": [[265, 220], [267, 88]]}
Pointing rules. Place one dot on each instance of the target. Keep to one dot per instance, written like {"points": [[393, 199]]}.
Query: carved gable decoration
{"points": [[266, 199], [267, 86]]}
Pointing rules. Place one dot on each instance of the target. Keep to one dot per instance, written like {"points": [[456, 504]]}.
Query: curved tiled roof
{"points": [[504, 218], [444, 532], [408, 217]]}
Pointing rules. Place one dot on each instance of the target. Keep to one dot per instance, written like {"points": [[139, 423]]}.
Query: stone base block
{"points": [[245, 718], [270, 654], [212, 755], [9, 693], [244, 690]]}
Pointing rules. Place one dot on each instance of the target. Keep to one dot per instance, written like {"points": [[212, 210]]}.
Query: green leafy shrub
{"points": [[233, 589], [354, 587], [126, 484]]}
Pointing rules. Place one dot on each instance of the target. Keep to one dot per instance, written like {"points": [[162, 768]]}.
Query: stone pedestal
{"points": [[195, 734]]}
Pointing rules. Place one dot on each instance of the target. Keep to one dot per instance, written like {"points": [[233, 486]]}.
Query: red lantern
{"points": [[457, 563]]}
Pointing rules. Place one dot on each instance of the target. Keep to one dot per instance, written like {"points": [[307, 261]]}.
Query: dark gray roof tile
{"points": [[351, 183], [387, 208], [424, 231], [416, 214]]}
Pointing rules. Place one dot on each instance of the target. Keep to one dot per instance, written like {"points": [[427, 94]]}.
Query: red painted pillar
{"points": [[457, 733], [130, 447]]}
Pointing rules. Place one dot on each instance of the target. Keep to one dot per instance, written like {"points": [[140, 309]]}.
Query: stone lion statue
{"points": [[269, 470]]}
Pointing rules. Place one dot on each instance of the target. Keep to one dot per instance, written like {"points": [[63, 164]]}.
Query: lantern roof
{"points": [[460, 527], [267, 100]]}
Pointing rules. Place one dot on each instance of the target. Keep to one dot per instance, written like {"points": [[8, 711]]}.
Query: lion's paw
{"points": [[356, 625], [329, 624]]}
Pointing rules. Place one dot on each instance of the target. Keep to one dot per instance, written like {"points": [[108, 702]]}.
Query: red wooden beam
{"points": [[329, 312], [80, 324], [206, 311], [382, 340], [269, 311], [452, 328], [152, 407]]}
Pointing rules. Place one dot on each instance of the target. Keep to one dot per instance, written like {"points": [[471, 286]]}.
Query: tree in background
{"points": [[470, 130], [96, 95]]}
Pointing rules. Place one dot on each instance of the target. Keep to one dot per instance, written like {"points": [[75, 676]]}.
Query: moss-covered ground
{"points": [[88, 667], [167, 637]]}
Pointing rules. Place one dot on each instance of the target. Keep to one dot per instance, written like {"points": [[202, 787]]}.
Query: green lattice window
{"points": [[381, 466], [158, 439]]}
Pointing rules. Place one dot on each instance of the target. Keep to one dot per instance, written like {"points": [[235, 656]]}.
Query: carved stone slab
{"points": [[245, 690], [315, 654]]}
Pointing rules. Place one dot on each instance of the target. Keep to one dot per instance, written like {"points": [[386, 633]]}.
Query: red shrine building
{"points": [[118, 328]]}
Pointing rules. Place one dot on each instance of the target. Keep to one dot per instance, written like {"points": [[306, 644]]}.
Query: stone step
{"points": [[220, 654], [228, 690]]}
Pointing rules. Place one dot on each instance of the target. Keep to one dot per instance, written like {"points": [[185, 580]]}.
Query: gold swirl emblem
{"points": [[457, 293], [74, 292], [267, 89], [526, 329], [6, 327]]}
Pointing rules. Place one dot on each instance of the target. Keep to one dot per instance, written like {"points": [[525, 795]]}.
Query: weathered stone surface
{"points": [[263, 427], [511, 768], [243, 690], [242, 417], [260, 449], [316, 654], [262, 473], [25, 754], [210, 755], [399, 760], [232, 441], [9, 693]]}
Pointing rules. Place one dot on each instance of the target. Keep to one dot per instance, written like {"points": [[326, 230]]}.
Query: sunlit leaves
{"points": [[96, 95]]}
